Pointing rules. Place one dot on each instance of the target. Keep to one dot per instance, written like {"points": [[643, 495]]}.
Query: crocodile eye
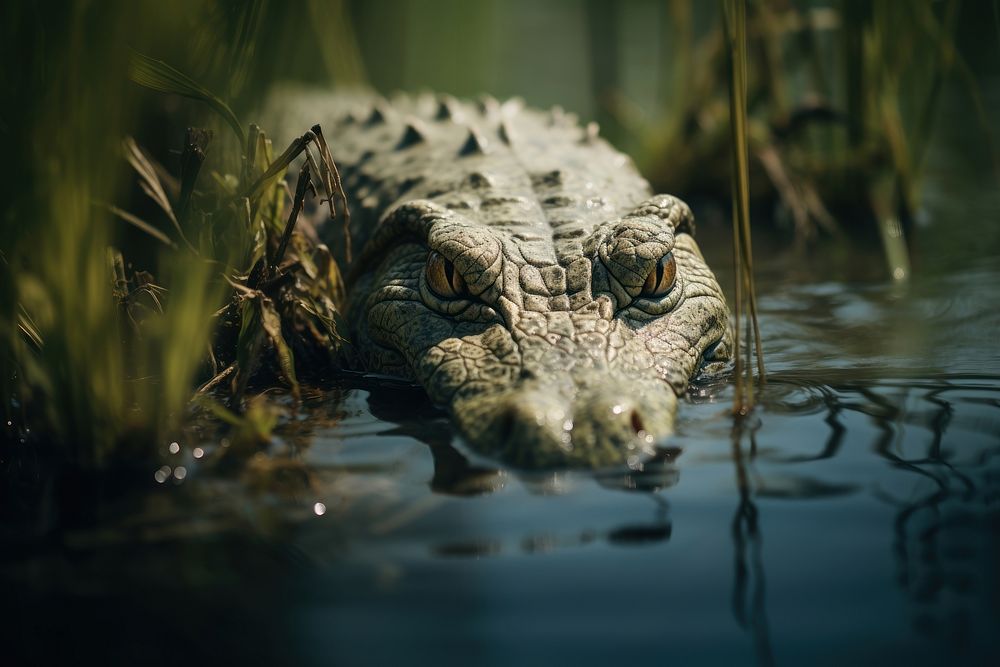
{"points": [[443, 278], [661, 278]]}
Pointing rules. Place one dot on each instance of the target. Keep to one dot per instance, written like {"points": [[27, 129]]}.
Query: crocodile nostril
{"points": [[636, 421]]}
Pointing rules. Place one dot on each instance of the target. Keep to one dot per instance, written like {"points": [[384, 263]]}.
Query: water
{"points": [[854, 519]]}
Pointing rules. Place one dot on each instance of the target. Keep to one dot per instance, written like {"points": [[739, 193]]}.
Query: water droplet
{"points": [[180, 472], [568, 425], [319, 509], [618, 409], [198, 452], [174, 448], [162, 474]]}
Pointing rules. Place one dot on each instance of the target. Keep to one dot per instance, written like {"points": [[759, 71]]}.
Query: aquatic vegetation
{"points": [[103, 351], [287, 289], [745, 294], [842, 97]]}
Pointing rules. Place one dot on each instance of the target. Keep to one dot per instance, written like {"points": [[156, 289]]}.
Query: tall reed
{"points": [[745, 296]]}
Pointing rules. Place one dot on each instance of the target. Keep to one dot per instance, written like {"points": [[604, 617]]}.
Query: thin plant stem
{"points": [[735, 23], [738, 404]]}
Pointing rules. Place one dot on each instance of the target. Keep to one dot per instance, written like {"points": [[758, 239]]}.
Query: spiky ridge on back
{"points": [[538, 176]]}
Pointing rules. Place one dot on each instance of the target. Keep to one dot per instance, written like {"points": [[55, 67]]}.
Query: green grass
{"points": [[105, 333]]}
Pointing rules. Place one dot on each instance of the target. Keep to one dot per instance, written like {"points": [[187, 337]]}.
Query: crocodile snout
{"points": [[590, 422]]}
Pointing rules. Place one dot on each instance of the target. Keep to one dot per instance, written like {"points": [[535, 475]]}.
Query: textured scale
{"points": [[556, 357]]}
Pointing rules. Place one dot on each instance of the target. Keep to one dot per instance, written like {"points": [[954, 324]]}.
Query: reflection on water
{"points": [[936, 432], [854, 518], [749, 581]]}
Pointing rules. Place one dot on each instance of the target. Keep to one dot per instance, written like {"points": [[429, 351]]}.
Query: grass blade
{"points": [[150, 183], [271, 322], [143, 225], [158, 75]]}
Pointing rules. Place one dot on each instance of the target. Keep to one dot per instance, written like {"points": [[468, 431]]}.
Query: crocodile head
{"points": [[565, 350]]}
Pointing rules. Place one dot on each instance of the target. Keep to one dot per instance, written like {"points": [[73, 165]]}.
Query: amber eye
{"points": [[661, 279], [443, 278]]}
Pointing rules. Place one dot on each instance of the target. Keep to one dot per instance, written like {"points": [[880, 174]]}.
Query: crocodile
{"points": [[522, 271]]}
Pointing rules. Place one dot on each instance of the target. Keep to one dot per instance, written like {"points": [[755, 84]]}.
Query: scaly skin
{"points": [[554, 358]]}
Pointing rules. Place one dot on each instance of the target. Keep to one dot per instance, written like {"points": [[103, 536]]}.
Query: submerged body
{"points": [[522, 271]]}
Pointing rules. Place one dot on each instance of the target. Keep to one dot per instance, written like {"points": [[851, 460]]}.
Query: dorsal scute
{"points": [[415, 133], [474, 144]]}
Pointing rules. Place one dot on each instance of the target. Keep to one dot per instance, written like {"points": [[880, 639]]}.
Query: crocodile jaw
{"points": [[586, 376], [587, 417]]}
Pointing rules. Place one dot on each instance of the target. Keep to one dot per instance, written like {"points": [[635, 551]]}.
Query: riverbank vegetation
{"points": [[149, 247]]}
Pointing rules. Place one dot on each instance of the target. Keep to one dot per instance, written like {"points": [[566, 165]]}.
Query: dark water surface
{"points": [[854, 520]]}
